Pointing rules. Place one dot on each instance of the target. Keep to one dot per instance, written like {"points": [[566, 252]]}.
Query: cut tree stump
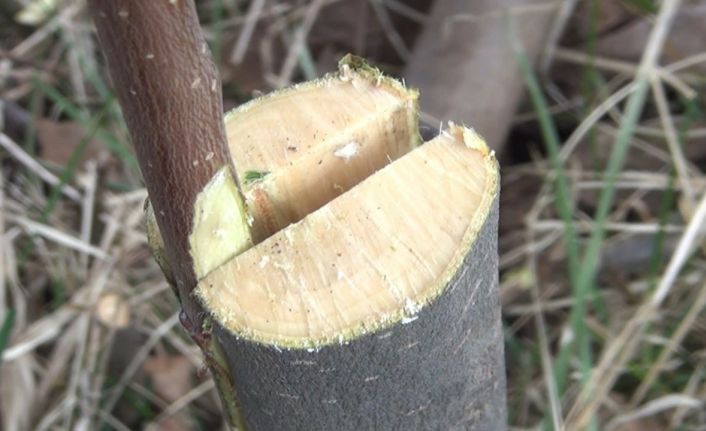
{"points": [[378, 311], [378, 308], [344, 276]]}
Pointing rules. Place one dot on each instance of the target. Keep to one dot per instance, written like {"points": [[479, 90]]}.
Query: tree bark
{"points": [[443, 371], [170, 94]]}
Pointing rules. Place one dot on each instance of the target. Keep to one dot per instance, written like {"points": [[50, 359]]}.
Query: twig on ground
{"points": [[33, 165], [290, 61], [246, 33]]}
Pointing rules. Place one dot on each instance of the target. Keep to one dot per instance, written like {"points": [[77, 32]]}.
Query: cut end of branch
{"points": [[357, 226], [220, 227], [370, 258], [299, 148]]}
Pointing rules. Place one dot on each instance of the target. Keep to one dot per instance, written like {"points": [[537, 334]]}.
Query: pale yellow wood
{"points": [[314, 141], [306, 144], [369, 258]]}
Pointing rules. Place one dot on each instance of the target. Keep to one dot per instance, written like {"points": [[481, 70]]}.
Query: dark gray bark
{"points": [[443, 371]]}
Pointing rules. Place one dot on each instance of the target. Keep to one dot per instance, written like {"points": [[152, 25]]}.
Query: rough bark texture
{"points": [[478, 59], [170, 95], [443, 371]]}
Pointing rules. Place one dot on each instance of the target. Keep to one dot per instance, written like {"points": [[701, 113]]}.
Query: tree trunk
{"points": [[361, 316], [443, 371]]}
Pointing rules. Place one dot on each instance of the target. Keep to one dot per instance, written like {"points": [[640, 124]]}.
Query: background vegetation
{"points": [[602, 254]]}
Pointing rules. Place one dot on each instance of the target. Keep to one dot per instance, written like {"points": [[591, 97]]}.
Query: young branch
{"points": [[170, 95]]}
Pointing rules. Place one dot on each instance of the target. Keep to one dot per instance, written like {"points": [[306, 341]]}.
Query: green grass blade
{"points": [[66, 176], [75, 113], [563, 196], [665, 208], [692, 114], [217, 12], [644, 6], [70, 170], [5, 331], [551, 139], [589, 266], [307, 65]]}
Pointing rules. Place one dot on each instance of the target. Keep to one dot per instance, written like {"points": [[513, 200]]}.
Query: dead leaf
{"points": [[59, 140], [113, 310], [170, 375]]}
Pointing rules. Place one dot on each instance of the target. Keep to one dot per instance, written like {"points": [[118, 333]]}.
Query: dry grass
{"points": [[94, 340]]}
